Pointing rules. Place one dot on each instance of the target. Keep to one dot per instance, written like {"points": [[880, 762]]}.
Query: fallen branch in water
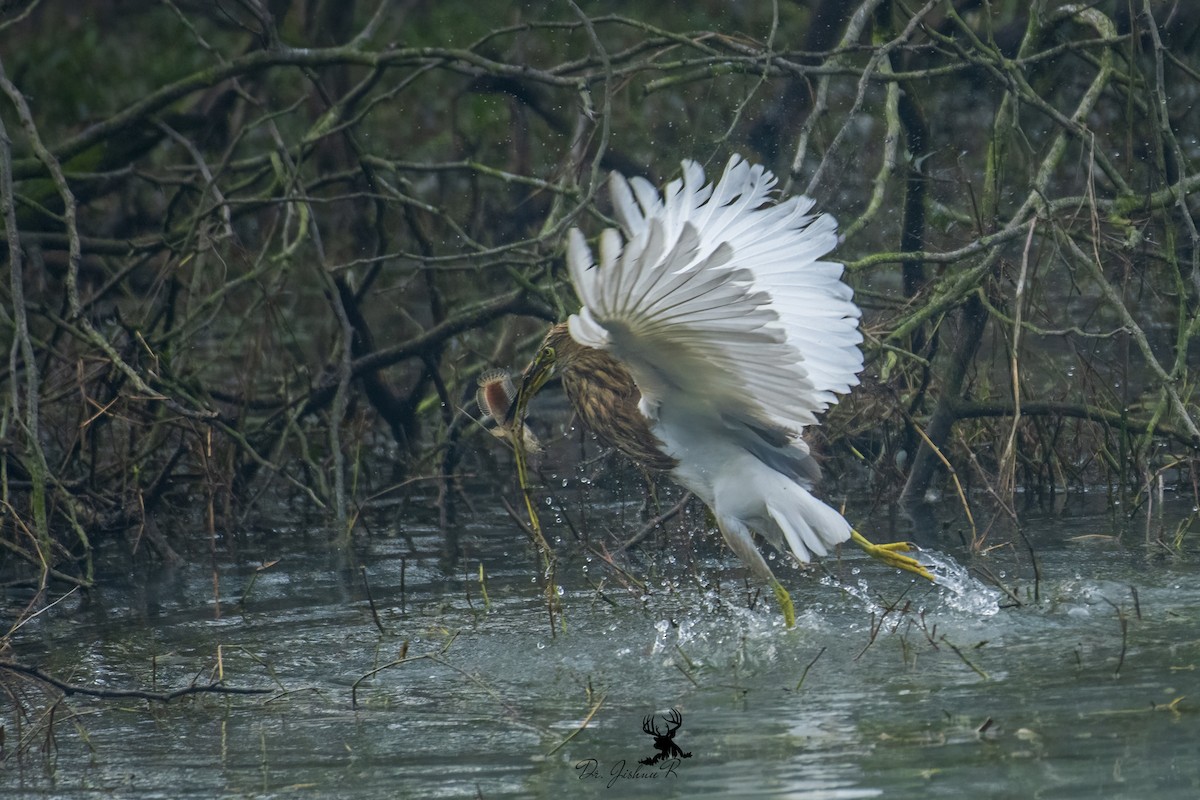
{"points": [[111, 694]]}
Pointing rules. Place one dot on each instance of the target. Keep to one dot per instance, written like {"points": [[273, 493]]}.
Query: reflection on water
{"points": [[886, 687]]}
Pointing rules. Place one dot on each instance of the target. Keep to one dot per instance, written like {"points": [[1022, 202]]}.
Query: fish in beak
{"points": [[498, 399]]}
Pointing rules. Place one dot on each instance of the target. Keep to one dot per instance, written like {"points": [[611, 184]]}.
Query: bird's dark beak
{"points": [[536, 374]]}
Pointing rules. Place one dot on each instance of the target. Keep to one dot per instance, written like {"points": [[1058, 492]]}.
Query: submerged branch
{"points": [[69, 689]]}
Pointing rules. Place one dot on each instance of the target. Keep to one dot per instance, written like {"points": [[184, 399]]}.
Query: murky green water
{"points": [[937, 697]]}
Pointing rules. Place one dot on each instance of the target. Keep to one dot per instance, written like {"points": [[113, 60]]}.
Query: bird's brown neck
{"points": [[606, 399]]}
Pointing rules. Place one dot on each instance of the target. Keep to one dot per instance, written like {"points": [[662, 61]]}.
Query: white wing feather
{"points": [[716, 293]]}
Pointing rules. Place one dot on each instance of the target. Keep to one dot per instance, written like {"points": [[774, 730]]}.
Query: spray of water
{"points": [[957, 588]]}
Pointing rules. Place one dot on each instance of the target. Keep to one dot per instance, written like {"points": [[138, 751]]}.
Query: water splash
{"points": [[715, 628], [859, 590], [957, 588]]}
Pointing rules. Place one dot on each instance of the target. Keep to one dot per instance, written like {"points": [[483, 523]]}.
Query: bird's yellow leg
{"points": [[892, 554], [785, 602]]}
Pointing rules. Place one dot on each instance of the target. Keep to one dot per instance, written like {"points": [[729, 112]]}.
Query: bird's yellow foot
{"points": [[785, 603], [892, 555]]}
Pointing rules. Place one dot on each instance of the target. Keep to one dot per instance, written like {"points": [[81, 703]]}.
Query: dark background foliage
{"points": [[262, 249]]}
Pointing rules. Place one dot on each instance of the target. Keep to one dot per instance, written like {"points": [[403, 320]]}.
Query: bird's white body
{"points": [[746, 495], [737, 334]]}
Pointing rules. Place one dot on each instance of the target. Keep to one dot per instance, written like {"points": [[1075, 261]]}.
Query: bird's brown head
{"points": [[557, 352]]}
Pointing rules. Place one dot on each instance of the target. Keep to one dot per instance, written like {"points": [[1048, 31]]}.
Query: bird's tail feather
{"points": [[808, 526], [755, 496]]}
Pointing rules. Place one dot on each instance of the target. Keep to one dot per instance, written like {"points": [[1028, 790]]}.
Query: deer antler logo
{"points": [[664, 741]]}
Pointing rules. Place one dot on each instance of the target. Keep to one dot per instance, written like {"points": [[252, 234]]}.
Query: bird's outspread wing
{"points": [[715, 292]]}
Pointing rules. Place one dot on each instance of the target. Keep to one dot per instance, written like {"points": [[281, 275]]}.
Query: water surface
{"points": [[886, 687]]}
